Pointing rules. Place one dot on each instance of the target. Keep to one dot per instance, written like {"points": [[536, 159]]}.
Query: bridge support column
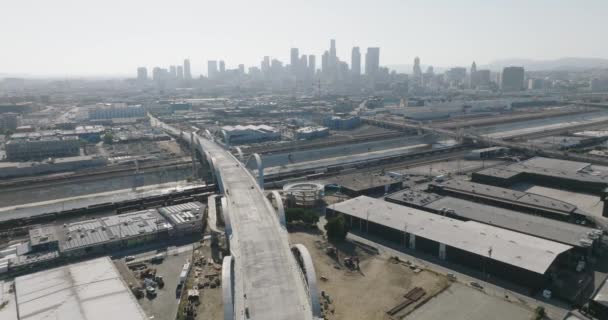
{"points": [[227, 223], [305, 261], [442, 251], [412, 241], [228, 287]]}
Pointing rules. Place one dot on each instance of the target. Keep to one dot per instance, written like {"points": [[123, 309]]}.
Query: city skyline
{"points": [[442, 35]]}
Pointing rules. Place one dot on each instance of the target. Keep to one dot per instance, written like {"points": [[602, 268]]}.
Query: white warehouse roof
{"points": [[514, 248], [89, 290]]}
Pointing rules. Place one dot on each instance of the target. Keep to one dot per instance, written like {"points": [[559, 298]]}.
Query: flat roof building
{"points": [[356, 184], [581, 237], [47, 147], [249, 134], [516, 256], [89, 290]]}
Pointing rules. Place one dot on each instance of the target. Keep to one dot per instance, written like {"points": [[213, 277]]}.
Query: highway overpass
{"points": [[264, 277]]}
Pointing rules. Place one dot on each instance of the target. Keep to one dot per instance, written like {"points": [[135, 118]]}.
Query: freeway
{"points": [[267, 281]]}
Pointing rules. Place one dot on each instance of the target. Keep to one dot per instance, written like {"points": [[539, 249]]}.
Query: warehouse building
{"points": [[511, 199], [119, 111], [111, 233], [585, 240], [308, 133], [234, 135], [92, 290], [186, 218], [107, 234], [48, 147], [571, 175], [520, 258], [342, 122], [357, 184]]}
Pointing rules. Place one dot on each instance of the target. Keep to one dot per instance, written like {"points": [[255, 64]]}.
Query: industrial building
{"points": [[486, 153], [92, 290], [27, 168], [568, 175], [105, 112], [357, 184], [9, 121], [249, 134], [511, 199], [48, 147], [308, 133], [111, 233], [342, 122], [517, 257], [585, 240], [88, 133]]}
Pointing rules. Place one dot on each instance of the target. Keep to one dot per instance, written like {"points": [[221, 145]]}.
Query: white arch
{"points": [[241, 156], [260, 165], [228, 287], [280, 208], [305, 261]]}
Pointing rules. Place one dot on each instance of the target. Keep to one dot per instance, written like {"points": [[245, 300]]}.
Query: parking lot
{"points": [[165, 304], [459, 302]]}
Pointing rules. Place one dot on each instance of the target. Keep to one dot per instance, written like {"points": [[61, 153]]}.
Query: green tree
{"points": [[300, 214], [336, 228], [539, 313], [108, 138]]}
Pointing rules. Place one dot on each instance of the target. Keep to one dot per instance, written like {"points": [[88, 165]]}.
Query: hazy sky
{"points": [[102, 37]]}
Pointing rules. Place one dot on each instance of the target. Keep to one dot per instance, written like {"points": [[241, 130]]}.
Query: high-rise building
{"points": [[265, 67], [180, 73], [483, 77], [332, 51], [303, 64], [295, 56], [241, 68], [211, 69], [372, 61], [325, 62], [173, 72], [473, 76], [456, 75], [222, 66], [142, 74], [312, 63], [187, 73], [417, 70], [355, 62], [512, 79]]}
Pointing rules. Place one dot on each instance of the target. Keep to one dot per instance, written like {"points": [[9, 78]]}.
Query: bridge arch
{"points": [[260, 166], [240, 152], [280, 207], [305, 261]]}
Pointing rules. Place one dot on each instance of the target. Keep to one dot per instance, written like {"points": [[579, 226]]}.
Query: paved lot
{"points": [[164, 305], [459, 302]]}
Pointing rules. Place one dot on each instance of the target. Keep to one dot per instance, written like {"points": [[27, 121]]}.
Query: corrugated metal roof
{"points": [[514, 248]]}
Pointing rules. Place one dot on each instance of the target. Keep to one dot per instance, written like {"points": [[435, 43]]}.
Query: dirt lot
{"points": [[370, 292]]}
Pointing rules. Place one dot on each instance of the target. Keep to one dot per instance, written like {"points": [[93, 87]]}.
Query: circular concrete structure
{"points": [[304, 194]]}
